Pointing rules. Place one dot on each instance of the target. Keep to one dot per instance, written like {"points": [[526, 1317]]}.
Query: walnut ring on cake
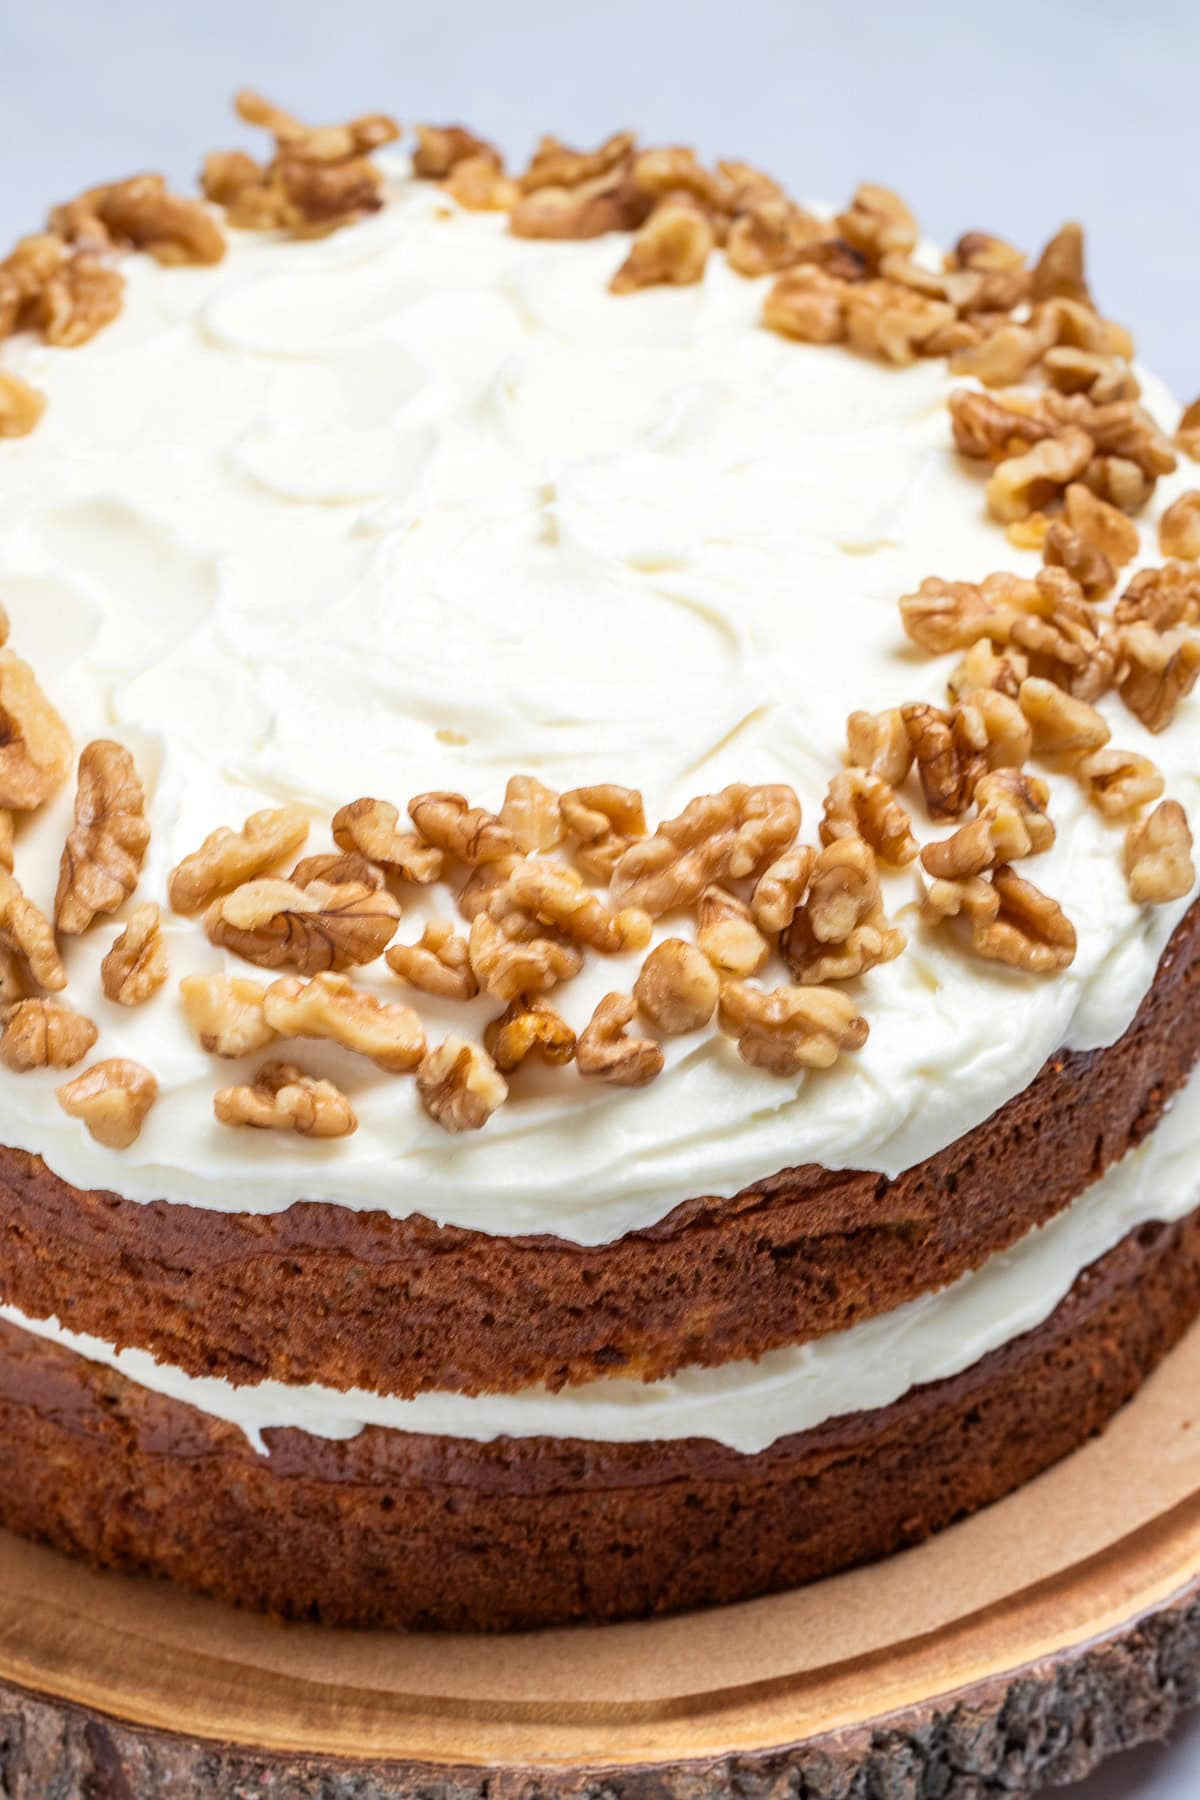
{"points": [[598, 926]]}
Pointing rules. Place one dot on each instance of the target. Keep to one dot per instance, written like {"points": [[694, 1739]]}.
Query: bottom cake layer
{"points": [[404, 1529]]}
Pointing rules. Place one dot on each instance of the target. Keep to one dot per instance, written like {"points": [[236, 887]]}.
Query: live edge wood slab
{"points": [[1017, 1650]]}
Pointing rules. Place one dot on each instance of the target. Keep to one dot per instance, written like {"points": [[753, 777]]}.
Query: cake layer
{"points": [[390, 1528], [325, 1294], [421, 505], [746, 1406]]}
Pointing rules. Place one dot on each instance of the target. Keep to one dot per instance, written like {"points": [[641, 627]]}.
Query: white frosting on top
{"points": [[746, 1405], [421, 505]]}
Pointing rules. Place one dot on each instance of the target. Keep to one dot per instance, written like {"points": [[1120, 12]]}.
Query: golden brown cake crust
{"points": [[322, 1293], [396, 1529]]}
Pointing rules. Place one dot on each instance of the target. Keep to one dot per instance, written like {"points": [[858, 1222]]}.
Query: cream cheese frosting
{"points": [[421, 505], [744, 1405]]}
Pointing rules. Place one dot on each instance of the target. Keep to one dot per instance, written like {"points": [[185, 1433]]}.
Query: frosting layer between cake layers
{"points": [[746, 1406], [420, 506]]}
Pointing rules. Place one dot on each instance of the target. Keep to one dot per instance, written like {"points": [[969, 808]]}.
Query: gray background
{"points": [[1002, 118]]}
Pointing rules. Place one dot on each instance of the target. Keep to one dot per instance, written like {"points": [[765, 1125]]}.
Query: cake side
{"points": [[400, 1529]]}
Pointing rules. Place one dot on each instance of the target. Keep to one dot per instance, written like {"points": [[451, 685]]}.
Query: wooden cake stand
{"points": [[1017, 1649]]}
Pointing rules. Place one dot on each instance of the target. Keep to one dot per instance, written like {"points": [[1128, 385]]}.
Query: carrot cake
{"points": [[598, 939]]}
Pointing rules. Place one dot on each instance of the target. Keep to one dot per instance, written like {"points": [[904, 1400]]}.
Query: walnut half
{"points": [[323, 926]]}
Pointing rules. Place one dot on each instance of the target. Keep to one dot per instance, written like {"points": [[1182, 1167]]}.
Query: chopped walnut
{"points": [[527, 963], [843, 889], [82, 297], [532, 815], [460, 1086], [671, 248], [439, 964], [809, 304], [319, 178], [440, 148], [528, 1027], [841, 930], [21, 406], [677, 987], [1029, 931], [1119, 481], [1179, 527], [1158, 856], [330, 1006], [781, 887], [987, 430], [604, 821], [786, 1030], [877, 223], [984, 250], [136, 966], [371, 828], [973, 899], [1063, 636], [859, 804], [467, 832], [106, 846], [1155, 671], [604, 1052], [552, 894], [736, 833], [278, 925], [1011, 823], [479, 184], [1024, 484], [555, 164], [283, 1098], [607, 201], [27, 934], [953, 749], [984, 669], [7, 839], [953, 615], [1082, 558], [1103, 378], [1188, 435], [481, 885], [884, 318], [35, 745], [878, 743], [226, 1013], [1060, 722], [112, 1098], [40, 1034], [1059, 269], [771, 235], [1119, 429], [727, 933], [1163, 597], [1006, 356], [1104, 525], [140, 213], [1119, 782], [948, 768], [227, 858]]}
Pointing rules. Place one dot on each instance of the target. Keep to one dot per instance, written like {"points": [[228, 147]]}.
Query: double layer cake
{"points": [[598, 954]]}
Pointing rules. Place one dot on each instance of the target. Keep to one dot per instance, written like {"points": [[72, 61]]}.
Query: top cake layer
{"points": [[422, 505]]}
